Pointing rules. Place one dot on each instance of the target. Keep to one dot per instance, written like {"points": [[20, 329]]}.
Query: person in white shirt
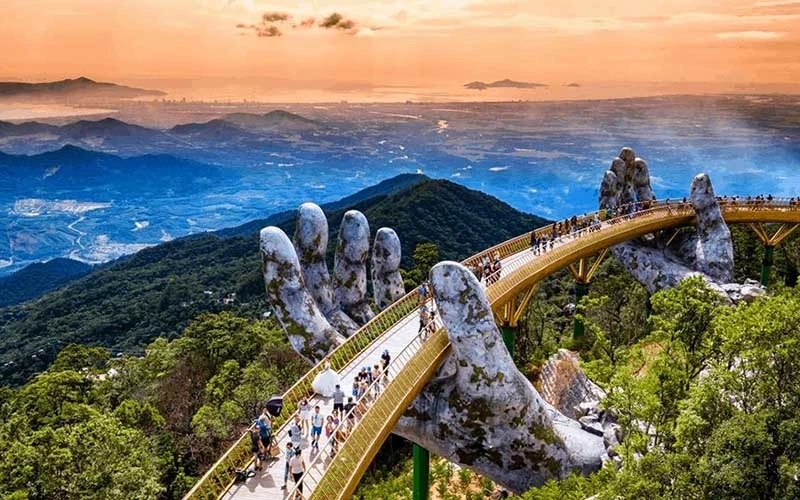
{"points": [[298, 467]]}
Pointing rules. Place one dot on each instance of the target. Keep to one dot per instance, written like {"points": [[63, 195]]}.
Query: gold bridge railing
{"points": [[526, 269]]}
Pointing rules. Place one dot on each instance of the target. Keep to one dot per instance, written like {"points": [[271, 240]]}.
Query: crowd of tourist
{"points": [[309, 424]]}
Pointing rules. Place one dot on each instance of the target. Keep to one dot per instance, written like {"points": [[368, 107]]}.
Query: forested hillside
{"points": [[158, 291], [36, 279]]}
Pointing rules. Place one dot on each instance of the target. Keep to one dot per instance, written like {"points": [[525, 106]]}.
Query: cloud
{"points": [[262, 31], [337, 21], [272, 17], [307, 22], [266, 28], [749, 35], [268, 31]]}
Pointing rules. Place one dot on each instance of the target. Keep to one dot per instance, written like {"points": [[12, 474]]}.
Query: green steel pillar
{"points": [[422, 465], [509, 335], [581, 290], [766, 264]]}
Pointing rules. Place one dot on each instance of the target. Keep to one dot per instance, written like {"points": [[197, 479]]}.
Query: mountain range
{"points": [[235, 130], [70, 90], [157, 291], [545, 158], [71, 166]]}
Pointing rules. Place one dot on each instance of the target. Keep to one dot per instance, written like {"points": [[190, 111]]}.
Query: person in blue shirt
{"points": [[289, 454], [316, 428]]}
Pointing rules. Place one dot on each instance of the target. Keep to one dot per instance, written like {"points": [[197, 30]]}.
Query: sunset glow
{"points": [[404, 42]]}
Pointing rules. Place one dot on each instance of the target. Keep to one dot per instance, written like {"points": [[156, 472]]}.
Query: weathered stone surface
{"points": [[311, 243], [714, 246], [387, 284], [610, 188], [300, 300], [705, 252], [747, 292], [309, 332], [480, 410], [612, 436], [641, 181], [627, 193], [350, 267], [591, 423], [566, 387]]}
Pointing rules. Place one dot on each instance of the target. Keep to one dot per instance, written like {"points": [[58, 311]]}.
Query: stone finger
{"points": [[350, 267], [295, 309], [311, 243], [387, 284]]}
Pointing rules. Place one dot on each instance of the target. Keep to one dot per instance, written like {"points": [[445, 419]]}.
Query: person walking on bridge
{"points": [[338, 400], [298, 468], [296, 431], [289, 455], [305, 414], [255, 446], [316, 428]]}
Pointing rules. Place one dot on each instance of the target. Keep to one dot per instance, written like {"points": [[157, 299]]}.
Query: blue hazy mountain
{"points": [[275, 121], [75, 169], [545, 158], [210, 130]]}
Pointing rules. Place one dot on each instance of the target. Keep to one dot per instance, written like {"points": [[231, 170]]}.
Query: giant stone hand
{"points": [[655, 261], [480, 411], [315, 310]]}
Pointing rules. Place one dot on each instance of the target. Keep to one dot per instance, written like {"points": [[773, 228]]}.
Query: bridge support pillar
{"points": [[582, 271], [509, 315], [581, 290], [422, 465], [509, 337], [766, 264], [770, 241]]}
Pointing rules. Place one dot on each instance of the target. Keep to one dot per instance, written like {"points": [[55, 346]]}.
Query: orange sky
{"points": [[414, 42]]}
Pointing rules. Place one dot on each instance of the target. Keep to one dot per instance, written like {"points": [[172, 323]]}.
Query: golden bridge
{"points": [[415, 362]]}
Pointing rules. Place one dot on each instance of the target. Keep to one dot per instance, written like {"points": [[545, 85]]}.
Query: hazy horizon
{"points": [[285, 51]]}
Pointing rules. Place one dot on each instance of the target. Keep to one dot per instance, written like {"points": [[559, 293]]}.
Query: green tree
{"points": [[99, 459], [77, 357], [738, 459], [426, 255]]}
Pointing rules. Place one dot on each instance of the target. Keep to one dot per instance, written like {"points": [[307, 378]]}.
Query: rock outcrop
{"points": [[387, 284], [480, 411], [566, 387]]}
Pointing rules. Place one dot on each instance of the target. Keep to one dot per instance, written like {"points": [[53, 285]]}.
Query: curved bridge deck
{"points": [[415, 362]]}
